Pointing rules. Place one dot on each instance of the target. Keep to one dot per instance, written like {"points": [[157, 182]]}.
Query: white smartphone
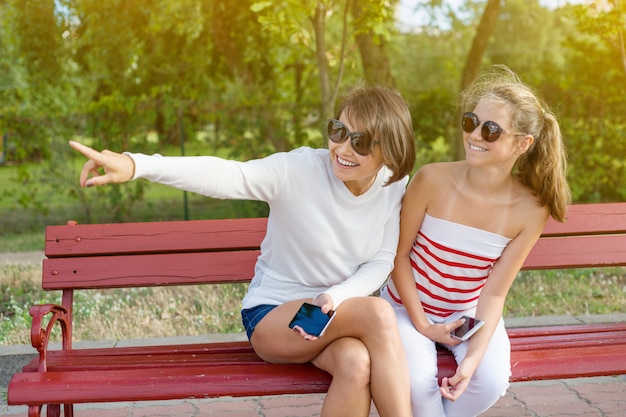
{"points": [[311, 319], [468, 328]]}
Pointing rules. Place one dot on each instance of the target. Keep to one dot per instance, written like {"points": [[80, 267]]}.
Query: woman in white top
{"points": [[331, 240], [466, 229]]}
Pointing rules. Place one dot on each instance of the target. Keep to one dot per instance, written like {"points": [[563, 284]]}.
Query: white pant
{"points": [[488, 384]]}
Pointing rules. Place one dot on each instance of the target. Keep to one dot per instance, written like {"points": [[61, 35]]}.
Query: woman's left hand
{"points": [[452, 388]]}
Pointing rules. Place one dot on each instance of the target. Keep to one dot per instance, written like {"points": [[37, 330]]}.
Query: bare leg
{"points": [[371, 321], [348, 361]]}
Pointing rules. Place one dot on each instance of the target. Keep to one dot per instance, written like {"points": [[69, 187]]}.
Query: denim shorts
{"points": [[252, 316]]}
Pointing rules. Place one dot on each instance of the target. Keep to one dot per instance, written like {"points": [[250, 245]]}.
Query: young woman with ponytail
{"points": [[466, 228]]}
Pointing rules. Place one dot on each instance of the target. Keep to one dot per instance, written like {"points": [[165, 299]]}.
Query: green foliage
{"points": [[242, 79], [289, 19], [436, 151], [49, 194], [540, 46], [596, 149], [596, 76]]}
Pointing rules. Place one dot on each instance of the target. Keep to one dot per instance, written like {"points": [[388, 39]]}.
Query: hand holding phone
{"points": [[310, 322], [467, 329]]}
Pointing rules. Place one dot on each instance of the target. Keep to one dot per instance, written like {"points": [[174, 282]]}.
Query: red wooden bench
{"points": [[98, 256]]}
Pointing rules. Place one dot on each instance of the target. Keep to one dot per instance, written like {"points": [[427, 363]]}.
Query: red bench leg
{"points": [[34, 411], [53, 410]]}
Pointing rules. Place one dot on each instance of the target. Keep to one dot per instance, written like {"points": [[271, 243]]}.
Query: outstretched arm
{"points": [[117, 167]]}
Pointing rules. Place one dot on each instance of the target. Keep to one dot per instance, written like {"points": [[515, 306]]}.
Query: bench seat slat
{"points": [[139, 361], [161, 384], [570, 329], [165, 359], [518, 336], [586, 340], [148, 270], [560, 363], [260, 378]]}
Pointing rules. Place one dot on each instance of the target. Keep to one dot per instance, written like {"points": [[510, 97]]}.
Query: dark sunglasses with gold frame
{"points": [[490, 132], [362, 143]]}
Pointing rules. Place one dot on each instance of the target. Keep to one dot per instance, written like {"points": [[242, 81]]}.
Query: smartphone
{"points": [[468, 328], [311, 319]]}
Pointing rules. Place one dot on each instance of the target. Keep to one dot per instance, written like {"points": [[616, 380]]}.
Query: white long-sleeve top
{"points": [[320, 237]]}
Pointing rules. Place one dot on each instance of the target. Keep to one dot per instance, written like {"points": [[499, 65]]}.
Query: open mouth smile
{"points": [[476, 148], [346, 163]]}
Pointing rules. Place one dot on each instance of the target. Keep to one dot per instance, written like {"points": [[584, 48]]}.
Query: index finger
{"points": [[85, 150], [91, 166]]}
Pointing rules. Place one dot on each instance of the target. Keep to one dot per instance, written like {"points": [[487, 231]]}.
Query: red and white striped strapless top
{"points": [[451, 263]]}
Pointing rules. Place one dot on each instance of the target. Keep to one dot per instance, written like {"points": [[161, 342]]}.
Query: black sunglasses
{"points": [[361, 142], [490, 131]]}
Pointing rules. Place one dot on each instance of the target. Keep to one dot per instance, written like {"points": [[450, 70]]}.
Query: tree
{"points": [[595, 90], [292, 18], [476, 54], [371, 35]]}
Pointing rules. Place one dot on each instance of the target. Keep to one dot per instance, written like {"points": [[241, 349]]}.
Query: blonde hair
{"points": [[384, 115], [543, 167]]}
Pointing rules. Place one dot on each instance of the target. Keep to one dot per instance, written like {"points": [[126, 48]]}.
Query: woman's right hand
{"points": [[440, 333], [325, 302], [117, 167]]}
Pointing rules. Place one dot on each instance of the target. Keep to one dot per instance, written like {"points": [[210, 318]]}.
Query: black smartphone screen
{"points": [[468, 328]]}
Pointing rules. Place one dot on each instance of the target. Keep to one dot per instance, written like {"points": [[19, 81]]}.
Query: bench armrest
{"points": [[40, 335]]}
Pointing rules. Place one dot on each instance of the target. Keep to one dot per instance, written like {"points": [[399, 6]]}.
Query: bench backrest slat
{"points": [[172, 253], [602, 218], [154, 237], [148, 270], [577, 252]]}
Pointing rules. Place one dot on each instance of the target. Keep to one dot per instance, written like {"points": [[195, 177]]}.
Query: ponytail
{"points": [[543, 167]]}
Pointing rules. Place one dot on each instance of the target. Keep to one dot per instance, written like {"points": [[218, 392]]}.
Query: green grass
{"points": [[120, 313], [574, 292], [24, 242]]}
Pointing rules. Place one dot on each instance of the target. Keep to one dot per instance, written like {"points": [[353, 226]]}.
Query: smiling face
{"points": [[507, 148], [356, 171]]}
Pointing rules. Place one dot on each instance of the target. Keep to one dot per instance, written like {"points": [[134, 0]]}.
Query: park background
{"points": [[242, 79]]}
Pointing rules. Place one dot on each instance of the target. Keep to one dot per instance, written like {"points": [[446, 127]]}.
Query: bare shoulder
{"points": [[429, 182], [437, 172], [529, 208]]}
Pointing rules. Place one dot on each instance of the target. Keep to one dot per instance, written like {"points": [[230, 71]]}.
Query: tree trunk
{"points": [[373, 55], [319, 21], [475, 57]]}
